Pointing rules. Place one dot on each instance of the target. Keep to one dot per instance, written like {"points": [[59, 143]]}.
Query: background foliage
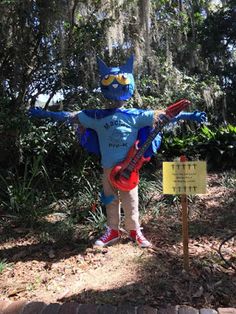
{"points": [[183, 49]]}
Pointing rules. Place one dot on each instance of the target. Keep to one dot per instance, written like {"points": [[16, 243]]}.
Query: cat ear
{"points": [[128, 67], [102, 67]]}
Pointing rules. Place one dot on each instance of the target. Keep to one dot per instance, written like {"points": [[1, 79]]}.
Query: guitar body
{"points": [[125, 175], [122, 183], [120, 176]]}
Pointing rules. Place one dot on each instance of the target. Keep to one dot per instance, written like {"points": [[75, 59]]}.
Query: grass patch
{"points": [[4, 265]]}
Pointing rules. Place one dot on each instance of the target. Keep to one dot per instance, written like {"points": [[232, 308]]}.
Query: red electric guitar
{"points": [[125, 175]]}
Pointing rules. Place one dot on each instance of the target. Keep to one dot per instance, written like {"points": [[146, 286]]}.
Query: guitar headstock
{"points": [[174, 109]]}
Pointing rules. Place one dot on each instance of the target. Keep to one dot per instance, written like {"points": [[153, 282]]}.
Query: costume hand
{"points": [[199, 116], [160, 116], [164, 117]]}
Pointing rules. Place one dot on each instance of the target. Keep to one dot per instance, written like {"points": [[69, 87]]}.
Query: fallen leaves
{"points": [[124, 272]]}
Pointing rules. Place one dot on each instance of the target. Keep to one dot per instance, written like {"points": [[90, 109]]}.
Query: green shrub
{"points": [[215, 145], [4, 265], [22, 194]]}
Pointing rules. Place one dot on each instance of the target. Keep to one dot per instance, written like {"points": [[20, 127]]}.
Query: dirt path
{"points": [[126, 273]]}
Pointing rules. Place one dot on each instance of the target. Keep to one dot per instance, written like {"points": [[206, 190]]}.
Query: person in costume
{"points": [[111, 132]]}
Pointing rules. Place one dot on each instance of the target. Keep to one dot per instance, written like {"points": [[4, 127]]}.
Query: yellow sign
{"points": [[187, 177]]}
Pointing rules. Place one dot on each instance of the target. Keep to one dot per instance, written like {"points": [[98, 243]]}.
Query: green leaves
{"points": [[23, 191], [4, 265], [216, 145], [207, 133], [7, 1]]}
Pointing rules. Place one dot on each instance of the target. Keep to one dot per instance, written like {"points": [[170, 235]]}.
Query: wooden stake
{"points": [[185, 236]]}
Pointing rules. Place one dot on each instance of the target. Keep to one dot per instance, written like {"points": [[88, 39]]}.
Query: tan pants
{"points": [[129, 201]]}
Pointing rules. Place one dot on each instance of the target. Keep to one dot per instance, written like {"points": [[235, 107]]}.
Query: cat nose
{"points": [[115, 85]]}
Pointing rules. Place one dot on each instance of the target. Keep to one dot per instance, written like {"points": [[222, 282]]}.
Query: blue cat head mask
{"points": [[117, 83]]}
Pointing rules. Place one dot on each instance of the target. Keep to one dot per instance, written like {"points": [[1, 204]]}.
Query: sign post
{"points": [[185, 236], [184, 178]]}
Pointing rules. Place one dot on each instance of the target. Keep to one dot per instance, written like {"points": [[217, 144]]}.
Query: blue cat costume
{"points": [[117, 84]]}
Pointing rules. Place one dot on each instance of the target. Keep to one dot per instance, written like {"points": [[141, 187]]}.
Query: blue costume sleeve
{"points": [[39, 113]]}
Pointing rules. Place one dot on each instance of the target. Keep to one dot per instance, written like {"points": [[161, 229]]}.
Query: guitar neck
{"points": [[171, 112], [141, 151]]}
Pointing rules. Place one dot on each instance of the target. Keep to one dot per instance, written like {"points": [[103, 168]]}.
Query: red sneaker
{"points": [[138, 237], [110, 237]]}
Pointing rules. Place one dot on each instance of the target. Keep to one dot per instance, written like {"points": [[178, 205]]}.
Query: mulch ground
{"points": [[75, 271]]}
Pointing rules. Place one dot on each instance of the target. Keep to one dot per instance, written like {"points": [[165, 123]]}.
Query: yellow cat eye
{"points": [[123, 79], [108, 79]]}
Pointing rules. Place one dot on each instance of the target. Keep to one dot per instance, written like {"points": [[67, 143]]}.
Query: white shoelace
{"points": [[106, 235]]}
